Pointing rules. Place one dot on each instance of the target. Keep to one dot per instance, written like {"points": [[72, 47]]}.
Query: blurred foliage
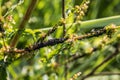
{"points": [[49, 63]]}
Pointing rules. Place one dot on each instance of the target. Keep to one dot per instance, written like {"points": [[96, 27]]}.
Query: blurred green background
{"points": [[48, 62]]}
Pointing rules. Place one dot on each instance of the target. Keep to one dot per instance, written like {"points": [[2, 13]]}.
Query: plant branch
{"points": [[23, 23], [63, 9], [52, 42], [64, 31], [63, 16], [39, 45], [74, 57], [104, 61], [50, 31]]}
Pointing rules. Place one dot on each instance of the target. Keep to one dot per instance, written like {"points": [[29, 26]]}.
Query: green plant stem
{"points": [[0, 8], [63, 16], [54, 41], [23, 23], [86, 26], [99, 23], [106, 73]]}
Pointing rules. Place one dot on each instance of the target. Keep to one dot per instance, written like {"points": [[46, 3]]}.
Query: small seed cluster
{"points": [[75, 76], [80, 10], [110, 29]]}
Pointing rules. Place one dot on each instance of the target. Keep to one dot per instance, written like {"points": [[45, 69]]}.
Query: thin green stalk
{"points": [[86, 26], [0, 8], [99, 23], [23, 23], [63, 16]]}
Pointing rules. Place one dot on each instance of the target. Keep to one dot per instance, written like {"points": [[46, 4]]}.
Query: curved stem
{"points": [[88, 25], [23, 23], [99, 23]]}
